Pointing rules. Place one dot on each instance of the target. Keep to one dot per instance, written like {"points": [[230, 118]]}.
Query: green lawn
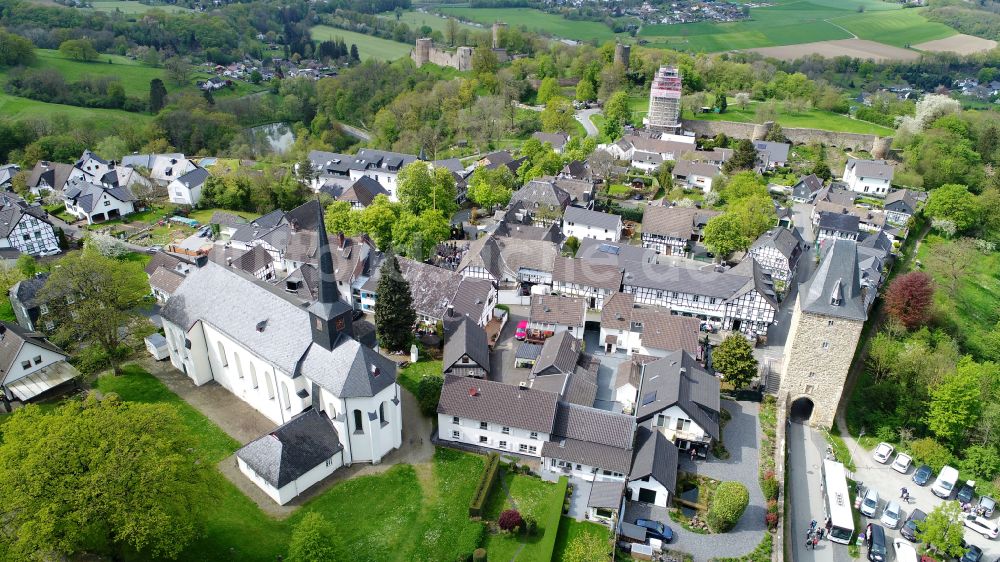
{"points": [[410, 376], [534, 498], [416, 20], [133, 75], [900, 29], [406, 513], [570, 528], [18, 108], [806, 21], [7, 311], [205, 215], [131, 7], [369, 47], [535, 20]]}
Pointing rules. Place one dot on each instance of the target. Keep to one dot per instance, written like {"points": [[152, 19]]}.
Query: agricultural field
{"points": [[133, 75], [416, 20], [961, 44], [791, 22], [369, 47], [18, 108], [854, 48], [535, 20], [131, 7]]}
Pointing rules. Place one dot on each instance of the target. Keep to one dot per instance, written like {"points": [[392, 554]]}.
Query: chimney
{"points": [[451, 311], [473, 391], [522, 385]]}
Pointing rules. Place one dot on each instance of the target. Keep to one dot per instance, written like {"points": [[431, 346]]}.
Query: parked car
{"points": [[981, 525], [909, 529], [870, 503], [904, 552], [923, 475], [974, 554], [656, 530], [966, 492], [891, 515], [878, 548], [987, 505], [902, 463], [945, 482], [522, 330], [883, 452]]}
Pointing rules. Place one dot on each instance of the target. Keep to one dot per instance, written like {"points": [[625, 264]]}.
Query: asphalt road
{"points": [[583, 116]]}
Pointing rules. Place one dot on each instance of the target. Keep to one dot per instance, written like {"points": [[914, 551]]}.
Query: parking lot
{"points": [[888, 482]]}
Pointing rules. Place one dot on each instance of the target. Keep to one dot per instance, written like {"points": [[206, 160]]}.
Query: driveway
{"points": [[502, 357], [583, 116], [742, 439], [806, 448]]}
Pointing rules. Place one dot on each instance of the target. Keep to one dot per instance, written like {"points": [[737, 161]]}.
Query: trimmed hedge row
{"points": [[548, 520], [486, 483], [728, 504]]}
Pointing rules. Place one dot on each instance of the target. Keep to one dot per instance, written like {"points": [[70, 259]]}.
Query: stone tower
{"points": [[463, 58], [497, 26], [422, 51], [622, 54], [826, 325], [880, 147], [760, 130]]}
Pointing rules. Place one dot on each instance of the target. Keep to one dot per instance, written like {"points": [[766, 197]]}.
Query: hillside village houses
{"points": [[672, 230], [31, 367], [870, 177], [584, 223]]}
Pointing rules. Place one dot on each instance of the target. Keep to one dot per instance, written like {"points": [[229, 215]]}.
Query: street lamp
{"points": [[855, 449]]}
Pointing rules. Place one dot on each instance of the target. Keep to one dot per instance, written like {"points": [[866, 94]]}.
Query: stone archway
{"points": [[801, 410]]}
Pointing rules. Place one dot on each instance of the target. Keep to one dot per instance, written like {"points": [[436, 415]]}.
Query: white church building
{"points": [[335, 401]]}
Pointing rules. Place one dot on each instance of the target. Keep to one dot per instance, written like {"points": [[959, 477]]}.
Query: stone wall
{"points": [[816, 373], [852, 141], [424, 52]]}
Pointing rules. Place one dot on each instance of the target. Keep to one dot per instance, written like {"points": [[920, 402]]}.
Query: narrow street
{"points": [[806, 447]]}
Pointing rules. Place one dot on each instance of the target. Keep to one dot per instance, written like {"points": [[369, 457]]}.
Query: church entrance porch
{"points": [[801, 410]]}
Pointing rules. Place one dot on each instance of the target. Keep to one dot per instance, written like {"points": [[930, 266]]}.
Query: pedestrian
{"points": [[812, 524], [692, 453], [829, 525], [820, 533], [809, 543], [815, 542]]}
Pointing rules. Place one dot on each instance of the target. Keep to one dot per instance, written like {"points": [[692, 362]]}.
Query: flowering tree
{"points": [[910, 297]]}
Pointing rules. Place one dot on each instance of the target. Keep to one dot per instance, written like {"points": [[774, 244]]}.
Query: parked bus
{"points": [[838, 502]]}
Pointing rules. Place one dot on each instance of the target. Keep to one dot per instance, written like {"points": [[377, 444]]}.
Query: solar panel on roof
{"points": [[609, 249], [649, 398]]}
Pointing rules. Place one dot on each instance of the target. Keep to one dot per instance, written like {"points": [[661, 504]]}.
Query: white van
{"points": [[904, 551], [945, 482]]}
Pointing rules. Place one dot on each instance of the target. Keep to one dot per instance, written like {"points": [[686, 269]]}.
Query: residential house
{"points": [[579, 170], [163, 168], [900, 206], [771, 155], [288, 362], [542, 200], [605, 501], [186, 189], [556, 140], [696, 175], [804, 189], [31, 367], [594, 282], [871, 177], [671, 230], [362, 192], [581, 192], [26, 228], [509, 261], [778, 251], [648, 153], [438, 292], [653, 476], [31, 314], [165, 272], [836, 194], [228, 223], [678, 398], [589, 444], [562, 367], [614, 253], [556, 314], [48, 176], [466, 350], [381, 166], [646, 330], [495, 416], [837, 225], [97, 203], [584, 223], [7, 173], [741, 300]]}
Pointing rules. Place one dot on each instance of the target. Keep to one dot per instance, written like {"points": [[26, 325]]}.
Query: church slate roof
{"points": [[351, 370], [293, 449]]}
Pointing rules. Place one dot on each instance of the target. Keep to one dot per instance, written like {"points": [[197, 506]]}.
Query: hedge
{"points": [[728, 503], [548, 520], [486, 483]]}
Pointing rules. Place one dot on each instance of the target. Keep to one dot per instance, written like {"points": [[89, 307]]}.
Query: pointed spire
{"points": [[328, 293]]}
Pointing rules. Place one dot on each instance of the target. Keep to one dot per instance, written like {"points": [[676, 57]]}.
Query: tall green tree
{"points": [[943, 531], [157, 95], [312, 540], [724, 235], [721, 101], [93, 300], [377, 219], [734, 359], [558, 116], [547, 89], [489, 188], [78, 49], [106, 477], [15, 50], [955, 203], [744, 158], [585, 91], [421, 188], [394, 314], [956, 403], [617, 108], [417, 236]]}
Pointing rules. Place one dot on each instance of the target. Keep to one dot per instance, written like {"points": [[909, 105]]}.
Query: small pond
{"points": [[274, 138]]}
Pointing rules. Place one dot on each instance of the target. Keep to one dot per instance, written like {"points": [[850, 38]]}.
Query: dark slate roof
{"points": [[508, 405], [364, 191], [557, 140], [528, 351], [614, 253], [195, 177], [485, 252], [591, 436], [350, 370], [666, 277], [12, 337], [786, 241], [467, 338], [587, 273], [292, 449], [26, 290], [552, 309], [223, 218], [876, 241], [595, 219], [433, 289], [775, 151], [806, 186], [678, 379], [676, 222], [606, 494], [559, 355], [835, 288], [165, 260], [877, 169], [902, 201], [655, 456], [541, 192], [167, 280], [54, 173], [254, 260], [844, 222], [86, 194]]}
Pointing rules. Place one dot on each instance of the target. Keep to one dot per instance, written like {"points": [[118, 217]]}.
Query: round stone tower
{"points": [[422, 51], [622, 53], [880, 148], [464, 56], [761, 130], [497, 26]]}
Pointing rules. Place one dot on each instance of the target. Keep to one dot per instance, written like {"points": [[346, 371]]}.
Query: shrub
{"points": [[510, 520], [769, 486], [772, 506], [485, 486], [772, 520], [530, 526], [479, 555], [428, 394], [931, 453], [728, 503]]}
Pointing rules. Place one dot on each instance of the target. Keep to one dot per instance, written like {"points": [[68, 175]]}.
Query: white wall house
{"points": [[23, 229], [30, 364], [558, 314], [584, 223], [696, 175], [186, 189], [870, 177], [95, 203], [646, 330], [653, 477]]}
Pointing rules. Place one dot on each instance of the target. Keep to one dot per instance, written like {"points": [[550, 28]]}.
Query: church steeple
{"points": [[329, 316]]}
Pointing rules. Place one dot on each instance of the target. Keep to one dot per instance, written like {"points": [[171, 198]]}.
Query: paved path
{"points": [[583, 116], [356, 132], [806, 448]]}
